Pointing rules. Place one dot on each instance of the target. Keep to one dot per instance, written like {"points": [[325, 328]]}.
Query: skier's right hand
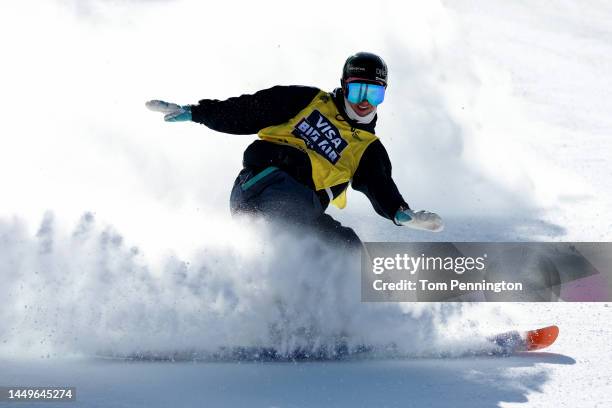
{"points": [[173, 112]]}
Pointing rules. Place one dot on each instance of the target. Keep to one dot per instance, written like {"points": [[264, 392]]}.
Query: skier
{"points": [[312, 145]]}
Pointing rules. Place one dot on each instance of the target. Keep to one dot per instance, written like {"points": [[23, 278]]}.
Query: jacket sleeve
{"points": [[373, 178], [247, 114]]}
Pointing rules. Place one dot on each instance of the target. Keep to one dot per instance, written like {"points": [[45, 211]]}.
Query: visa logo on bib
{"points": [[321, 136]]}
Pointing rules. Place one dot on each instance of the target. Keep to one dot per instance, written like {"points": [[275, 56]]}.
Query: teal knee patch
{"points": [[258, 177]]}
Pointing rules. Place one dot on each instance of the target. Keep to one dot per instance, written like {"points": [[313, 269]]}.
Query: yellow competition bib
{"points": [[334, 148]]}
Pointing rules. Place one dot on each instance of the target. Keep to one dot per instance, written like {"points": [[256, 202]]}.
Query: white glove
{"points": [[421, 220], [173, 112]]}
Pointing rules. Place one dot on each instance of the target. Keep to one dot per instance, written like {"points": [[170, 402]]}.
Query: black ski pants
{"points": [[278, 197]]}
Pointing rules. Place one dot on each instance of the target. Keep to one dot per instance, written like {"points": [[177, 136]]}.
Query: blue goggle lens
{"points": [[360, 91]]}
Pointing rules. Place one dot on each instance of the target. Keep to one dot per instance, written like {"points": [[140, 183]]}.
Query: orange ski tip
{"points": [[541, 338]]}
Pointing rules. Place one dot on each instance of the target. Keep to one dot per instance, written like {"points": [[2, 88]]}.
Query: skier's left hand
{"points": [[421, 220], [173, 112]]}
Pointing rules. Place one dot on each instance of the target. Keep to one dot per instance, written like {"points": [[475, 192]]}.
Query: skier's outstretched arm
{"points": [[373, 178], [241, 115]]}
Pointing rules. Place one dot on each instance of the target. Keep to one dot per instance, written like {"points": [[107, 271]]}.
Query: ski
{"points": [[515, 341]]}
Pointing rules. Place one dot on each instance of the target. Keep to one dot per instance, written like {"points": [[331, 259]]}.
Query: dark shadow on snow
{"points": [[484, 381], [549, 358]]}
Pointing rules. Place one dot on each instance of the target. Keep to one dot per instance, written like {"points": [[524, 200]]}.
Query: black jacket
{"points": [[248, 114]]}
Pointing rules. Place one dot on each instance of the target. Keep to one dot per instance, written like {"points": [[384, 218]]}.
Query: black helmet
{"points": [[365, 65]]}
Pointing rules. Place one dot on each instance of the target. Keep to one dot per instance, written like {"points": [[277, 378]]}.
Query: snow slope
{"points": [[497, 117], [572, 373]]}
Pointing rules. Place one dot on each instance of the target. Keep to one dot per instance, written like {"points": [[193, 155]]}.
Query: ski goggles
{"points": [[361, 91]]}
